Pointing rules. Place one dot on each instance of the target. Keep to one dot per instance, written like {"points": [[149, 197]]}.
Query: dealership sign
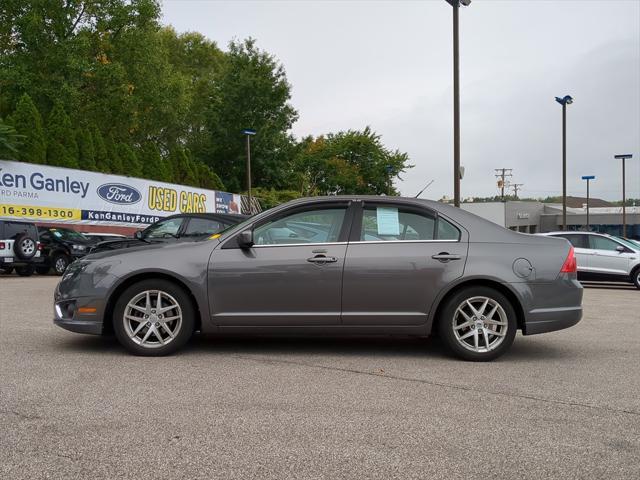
{"points": [[53, 194]]}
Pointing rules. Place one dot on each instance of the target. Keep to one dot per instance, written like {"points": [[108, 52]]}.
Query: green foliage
{"points": [[153, 167], [101, 156], [207, 178], [9, 141], [86, 150], [269, 197], [351, 162], [27, 122], [131, 166], [182, 167], [62, 149], [251, 91], [114, 160]]}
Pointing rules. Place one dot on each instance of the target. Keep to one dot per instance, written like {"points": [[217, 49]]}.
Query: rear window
{"points": [[577, 240], [10, 230]]}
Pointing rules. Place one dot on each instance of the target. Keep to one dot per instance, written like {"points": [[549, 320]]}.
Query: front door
{"points": [[606, 259], [398, 260], [291, 276]]}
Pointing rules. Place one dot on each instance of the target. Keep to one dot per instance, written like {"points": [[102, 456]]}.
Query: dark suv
{"points": [[19, 247], [60, 247], [181, 227]]}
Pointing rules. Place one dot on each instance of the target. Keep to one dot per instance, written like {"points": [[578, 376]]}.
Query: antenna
{"points": [[425, 187]]}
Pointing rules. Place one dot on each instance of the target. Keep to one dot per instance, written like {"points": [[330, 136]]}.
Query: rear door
{"points": [[580, 242], [399, 258], [292, 276]]}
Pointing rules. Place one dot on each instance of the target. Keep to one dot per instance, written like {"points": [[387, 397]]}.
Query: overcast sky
{"points": [[388, 64]]}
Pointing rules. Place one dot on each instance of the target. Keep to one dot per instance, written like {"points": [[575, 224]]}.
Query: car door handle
{"points": [[322, 259], [445, 257]]}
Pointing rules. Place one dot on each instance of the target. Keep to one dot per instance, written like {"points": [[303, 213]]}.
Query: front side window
{"points": [[603, 243], [392, 224], [311, 226], [164, 229], [199, 227]]}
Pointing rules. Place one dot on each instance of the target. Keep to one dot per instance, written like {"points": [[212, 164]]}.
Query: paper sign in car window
{"points": [[388, 223]]}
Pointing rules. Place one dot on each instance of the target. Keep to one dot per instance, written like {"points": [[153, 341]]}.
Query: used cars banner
{"points": [[54, 194]]}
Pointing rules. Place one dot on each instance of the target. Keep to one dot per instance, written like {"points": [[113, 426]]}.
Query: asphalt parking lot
{"points": [[559, 405]]}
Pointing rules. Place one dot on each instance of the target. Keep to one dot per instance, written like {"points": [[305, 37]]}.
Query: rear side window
{"points": [[395, 224], [578, 241], [446, 231], [13, 229], [199, 227]]}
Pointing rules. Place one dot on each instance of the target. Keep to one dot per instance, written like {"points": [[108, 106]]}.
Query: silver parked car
{"points": [[604, 257], [332, 266]]}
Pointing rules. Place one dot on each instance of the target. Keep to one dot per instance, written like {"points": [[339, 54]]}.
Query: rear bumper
{"points": [[544, 320]]}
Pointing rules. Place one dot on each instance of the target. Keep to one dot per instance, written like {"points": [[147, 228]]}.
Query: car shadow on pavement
{"points": [[523, 349]]}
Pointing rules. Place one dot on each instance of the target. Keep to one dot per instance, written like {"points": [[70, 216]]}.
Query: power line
{"points": [[516, 187], [501, 175]]}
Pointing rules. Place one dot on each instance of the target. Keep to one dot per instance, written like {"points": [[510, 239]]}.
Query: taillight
{"points": [[570, 265], [1, 245], [39, 246]]}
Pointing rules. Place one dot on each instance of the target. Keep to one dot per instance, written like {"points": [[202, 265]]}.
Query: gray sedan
{"points": [[332, 266]]}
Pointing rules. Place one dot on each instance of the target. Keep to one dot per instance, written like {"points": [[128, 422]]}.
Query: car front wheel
{"points": [[478, 324], [635, 276], [153, 318], [60, 263]]}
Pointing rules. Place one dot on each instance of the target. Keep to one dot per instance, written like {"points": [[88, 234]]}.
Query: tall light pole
{"points": [[456, 99], [249, 133], [564, 101], [624, 198], [588, 178]]}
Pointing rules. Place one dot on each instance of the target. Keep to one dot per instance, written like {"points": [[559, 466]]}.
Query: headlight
{"points": [[79, 248]]}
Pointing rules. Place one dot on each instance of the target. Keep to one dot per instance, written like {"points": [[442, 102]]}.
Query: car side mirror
{"points": [[621, 249], [138, 235], [245, 239]]}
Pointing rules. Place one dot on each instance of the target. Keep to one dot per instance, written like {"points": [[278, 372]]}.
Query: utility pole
{"points": [[624, 197], [502, 174], [516, 187], [249, 132]]}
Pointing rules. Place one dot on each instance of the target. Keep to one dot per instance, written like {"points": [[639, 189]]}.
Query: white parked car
{"points": [[604, 257]]}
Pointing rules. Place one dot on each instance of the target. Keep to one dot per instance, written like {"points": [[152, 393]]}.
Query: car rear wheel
{"points": [[60, 263], [6, 270], [42, 270], [153, 318], [478, 324], [635, 276], [25, 271]]}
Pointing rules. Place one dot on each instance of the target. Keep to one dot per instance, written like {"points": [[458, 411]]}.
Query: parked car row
{"points": [[27, 248]]}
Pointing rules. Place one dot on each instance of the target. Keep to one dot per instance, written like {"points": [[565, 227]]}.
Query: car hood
{"points": [[140, 248]]}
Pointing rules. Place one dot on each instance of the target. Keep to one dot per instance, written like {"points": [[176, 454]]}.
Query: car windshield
{"points": [[67, 234]]}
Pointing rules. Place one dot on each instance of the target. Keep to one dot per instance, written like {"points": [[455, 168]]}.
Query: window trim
{"points": [[356, 227]]}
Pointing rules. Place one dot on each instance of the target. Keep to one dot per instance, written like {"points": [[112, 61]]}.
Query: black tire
{"points": [[25, 246], [42, 270], [635, 277], [6, 270], [180, 338], [60, 262], [448, 319], [26, 270]]}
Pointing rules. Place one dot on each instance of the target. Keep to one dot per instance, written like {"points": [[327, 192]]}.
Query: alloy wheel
{"points": [[152, 318], [480, 324]]}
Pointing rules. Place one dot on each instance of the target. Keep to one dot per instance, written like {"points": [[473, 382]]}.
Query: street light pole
{"points": [[624, 198], [249, 133], [456, 99], [566, 100], [588, 178]]}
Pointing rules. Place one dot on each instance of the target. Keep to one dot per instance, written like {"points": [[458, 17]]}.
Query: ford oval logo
{"points": [[119, 193]]}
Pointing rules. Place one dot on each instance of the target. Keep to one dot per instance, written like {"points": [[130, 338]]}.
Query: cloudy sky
{"points": [[388, 64]]}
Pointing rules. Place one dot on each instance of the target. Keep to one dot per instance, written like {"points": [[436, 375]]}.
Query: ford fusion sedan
{"points": [[332, 266]]}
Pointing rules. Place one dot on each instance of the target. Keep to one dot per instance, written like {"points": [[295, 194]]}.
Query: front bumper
{"points": [[66, 314], [80, 326]]}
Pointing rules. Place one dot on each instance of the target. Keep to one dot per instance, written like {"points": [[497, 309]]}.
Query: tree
{"points": [[27, 122], [115, 162], [101, 156], [351, 162], [9, 141], [269, 197], [207, 178], [250, 91], [182, 167], [130, 164], [86, 150], [153, 167], [62, 149]]}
